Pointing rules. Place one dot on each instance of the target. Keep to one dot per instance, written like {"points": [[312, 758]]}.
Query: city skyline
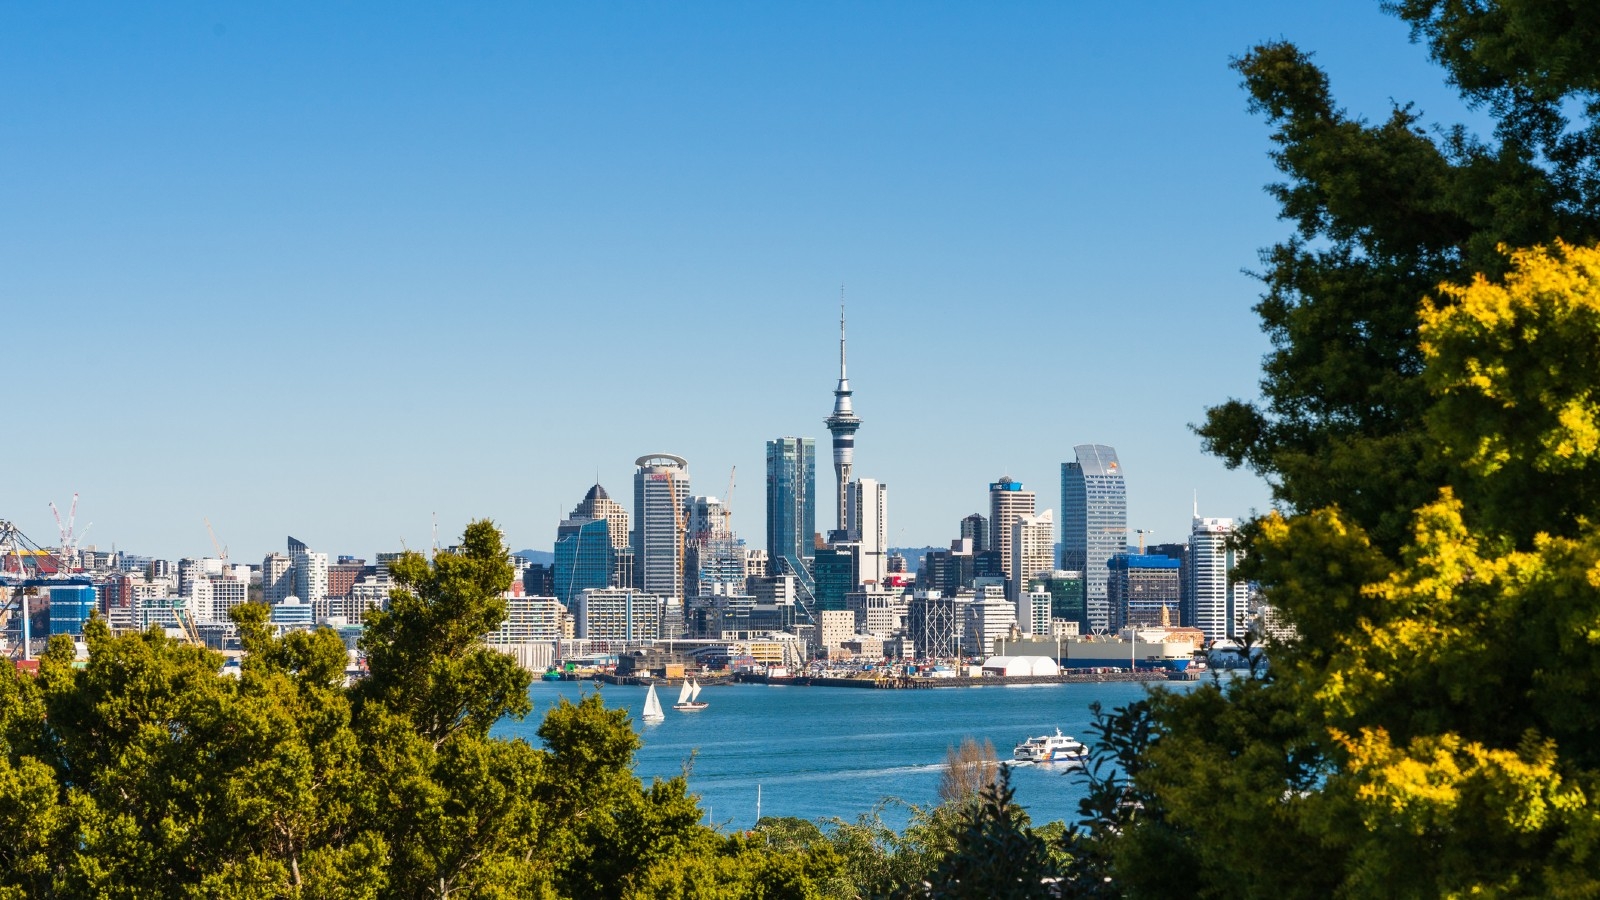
{"points": [[442, 269]]}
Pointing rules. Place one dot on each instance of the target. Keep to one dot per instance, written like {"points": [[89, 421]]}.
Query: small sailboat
{"points": [[652, 707], [689, 697]]}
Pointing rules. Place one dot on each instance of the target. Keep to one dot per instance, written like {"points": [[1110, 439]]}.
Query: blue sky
{"points": [[329, 269]]}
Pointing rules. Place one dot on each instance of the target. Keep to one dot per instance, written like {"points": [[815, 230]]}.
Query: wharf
{"points": [[920, 683], [646, 680]]}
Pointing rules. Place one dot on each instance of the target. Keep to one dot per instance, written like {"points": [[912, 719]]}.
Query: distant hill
{"points": [[914, 555], [537, 557]]}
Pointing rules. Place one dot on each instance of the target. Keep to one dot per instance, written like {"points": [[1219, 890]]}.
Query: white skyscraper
{"points": [[310, 576], [1007, 503], [868, 515], [1216, 606], [1033, 550], [660, 494]]}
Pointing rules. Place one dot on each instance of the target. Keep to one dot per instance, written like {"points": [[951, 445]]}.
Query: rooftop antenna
{"points": [[1197, 503], [435, 536], [841, 331]]}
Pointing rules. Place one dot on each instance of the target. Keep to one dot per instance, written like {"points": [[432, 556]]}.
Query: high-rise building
{"points": [[791, 504], [975, 528], [584, 558], [310, 575], [714, 557], [1179, 552], [617, 614], [837, 572], [597, 504], [1033, 550], [1066, 599], [1215, 597], [1094, 522], [660, 492], [868, 514], [1007, 503], [1142, 590], [842, 425]]}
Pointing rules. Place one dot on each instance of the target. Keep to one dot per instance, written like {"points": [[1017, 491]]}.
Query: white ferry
{"points": [[1051, 748]]}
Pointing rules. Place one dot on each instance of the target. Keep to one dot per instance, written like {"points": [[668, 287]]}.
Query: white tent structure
{"points": [[1015, 666]]}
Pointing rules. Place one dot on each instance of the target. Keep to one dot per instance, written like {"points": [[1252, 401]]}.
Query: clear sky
{"points": [[328, 269]]}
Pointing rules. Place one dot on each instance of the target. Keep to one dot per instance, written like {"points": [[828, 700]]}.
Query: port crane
{"points": [[24, 568]]}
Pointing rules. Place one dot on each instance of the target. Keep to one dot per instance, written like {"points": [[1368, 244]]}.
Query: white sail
{"points": [[684, 696], [694, 695], [652, 707]]}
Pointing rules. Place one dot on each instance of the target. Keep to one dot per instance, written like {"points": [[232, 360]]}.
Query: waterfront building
{"points": [[1179, 552], [791, 504], [1142, 590], [834, 626], [528, 619], [1216, 599], [988, 617], [617, 614], [1033, 550], [584, 558], [842, 425], [1094, 522], [935, 622], [868, 513], [975, 528], [876, 610], [1008, 502], [1033, 612], [660, 491], [1066, 600]]}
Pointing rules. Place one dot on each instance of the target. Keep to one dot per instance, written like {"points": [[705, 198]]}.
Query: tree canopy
{"points": [[1429, 424]]}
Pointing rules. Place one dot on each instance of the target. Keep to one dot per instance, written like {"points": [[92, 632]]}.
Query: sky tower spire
{"points": [[842, 424]]}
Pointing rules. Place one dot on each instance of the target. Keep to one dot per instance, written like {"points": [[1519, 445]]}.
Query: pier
{"points": [[920, 683]]}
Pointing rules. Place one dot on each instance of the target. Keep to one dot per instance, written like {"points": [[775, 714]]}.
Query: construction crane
{"points": [[69, 541], [222, 550], [727, 504], [1142, 532]]}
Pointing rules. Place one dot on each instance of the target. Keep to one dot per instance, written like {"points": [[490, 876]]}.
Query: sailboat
{"points": [[652, 707], [689, 697]]}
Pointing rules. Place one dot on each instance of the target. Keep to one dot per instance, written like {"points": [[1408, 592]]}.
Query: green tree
{"points": [[996, 855], [147, 773], [1428, 425]]}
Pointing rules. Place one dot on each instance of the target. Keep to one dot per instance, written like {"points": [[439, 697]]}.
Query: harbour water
{"points": [[823, 752]]}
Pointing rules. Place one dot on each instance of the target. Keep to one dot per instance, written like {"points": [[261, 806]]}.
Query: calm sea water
{"points": [[821, 752]]}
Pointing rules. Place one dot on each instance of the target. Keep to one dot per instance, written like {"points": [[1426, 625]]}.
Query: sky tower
{"points": [[842, 425]]}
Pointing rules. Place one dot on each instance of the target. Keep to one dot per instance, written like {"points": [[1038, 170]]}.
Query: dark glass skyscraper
{"points": [[584, 558], [791, 503]]}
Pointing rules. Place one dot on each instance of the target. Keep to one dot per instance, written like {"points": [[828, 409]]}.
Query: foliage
{"points": [[996, 855], [1429, 424], [146, 773], [968, 770]]}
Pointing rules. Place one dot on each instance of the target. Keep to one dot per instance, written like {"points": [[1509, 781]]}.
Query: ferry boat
{"points": [[1050, 748]]}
